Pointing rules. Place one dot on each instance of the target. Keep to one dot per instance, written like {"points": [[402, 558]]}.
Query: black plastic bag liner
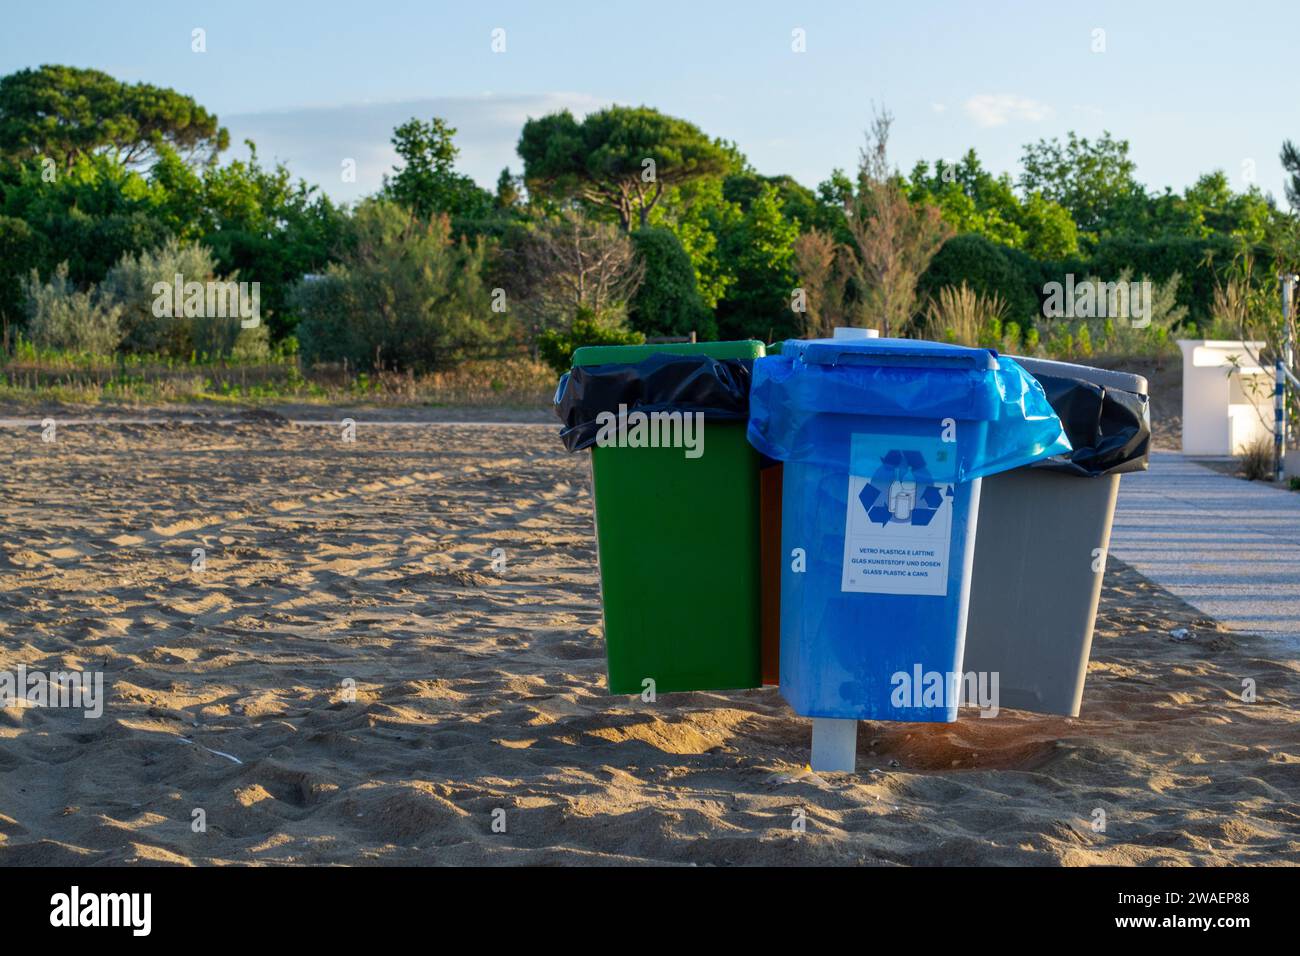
{"points": [[1109, 427], [719, 388]]}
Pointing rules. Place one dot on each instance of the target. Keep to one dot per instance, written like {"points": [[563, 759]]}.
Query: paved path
{"points": [[1228, 547]]}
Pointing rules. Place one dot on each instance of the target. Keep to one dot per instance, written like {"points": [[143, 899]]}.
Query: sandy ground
{"points": [[332, 565]]}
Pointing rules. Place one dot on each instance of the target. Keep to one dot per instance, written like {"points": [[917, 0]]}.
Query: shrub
{"points": [[1257, 460], [404, 296], [61, 317], [667, 301], [988, 269], [1118, 335], [557, 347], [1200, 263], [574, 263], [20, 248], [965, 317], [130, 285]]}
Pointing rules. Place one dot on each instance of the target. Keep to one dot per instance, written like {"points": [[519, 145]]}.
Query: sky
{"points": [[1193, 86]]}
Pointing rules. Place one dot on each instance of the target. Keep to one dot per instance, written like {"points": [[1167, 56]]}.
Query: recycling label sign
{"points": [[898, 526]]}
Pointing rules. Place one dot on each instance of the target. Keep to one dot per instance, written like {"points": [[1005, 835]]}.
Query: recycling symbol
{"points": [[902, 491]]}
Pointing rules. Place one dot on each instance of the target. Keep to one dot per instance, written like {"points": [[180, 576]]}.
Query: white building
{"points": [[1227, 396]]}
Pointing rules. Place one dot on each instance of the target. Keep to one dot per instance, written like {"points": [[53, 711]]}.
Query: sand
{"points": [[351, 681]]}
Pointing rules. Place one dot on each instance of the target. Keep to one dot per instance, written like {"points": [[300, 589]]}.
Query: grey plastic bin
{"points": [[1034, 592]]}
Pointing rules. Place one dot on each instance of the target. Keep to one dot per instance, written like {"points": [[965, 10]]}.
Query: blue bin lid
{"points": [[794, 394], [913, 353]]}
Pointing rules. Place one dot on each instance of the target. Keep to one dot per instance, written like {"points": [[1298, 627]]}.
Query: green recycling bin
{"points": [[677, 528]]}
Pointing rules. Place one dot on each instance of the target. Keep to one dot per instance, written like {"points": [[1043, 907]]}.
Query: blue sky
{"points": [[1194, 86]]}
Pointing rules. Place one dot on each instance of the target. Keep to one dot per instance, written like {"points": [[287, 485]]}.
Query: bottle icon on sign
{"points": [[902, 497]]}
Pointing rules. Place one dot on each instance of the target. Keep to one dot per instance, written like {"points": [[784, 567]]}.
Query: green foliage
{"points": [[698, 213], [1147, 335], [1290, 157], [105, 186], [620, 159], [509, 191], [1198, 262], [87, 216], [556, 347], [973, 200], [427, 183], [801, 206], [20, 249], [761, 249], [667, 301], [257, 221], [1050, 233], [962, 316], [404, 295], [129, 286], [987, 269], [1211, 208], [1092, 179], [65, 113], [62, 317]]}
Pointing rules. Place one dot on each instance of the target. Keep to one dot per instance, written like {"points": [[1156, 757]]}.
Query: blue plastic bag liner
{"points": [[907, 379], [884, 442]]}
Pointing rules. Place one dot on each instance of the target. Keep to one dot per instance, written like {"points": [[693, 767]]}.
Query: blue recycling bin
{"points": [[884, 443]]}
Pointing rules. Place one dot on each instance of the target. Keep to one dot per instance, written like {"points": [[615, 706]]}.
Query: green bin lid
{"points": [[631, 354]]}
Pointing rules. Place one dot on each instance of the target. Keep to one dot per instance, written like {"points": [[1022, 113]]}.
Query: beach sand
{"points": [[365, 570]]}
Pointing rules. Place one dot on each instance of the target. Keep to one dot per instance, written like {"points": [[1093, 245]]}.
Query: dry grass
{"points": [[1257, 460], [83, 380], [963, 316]]}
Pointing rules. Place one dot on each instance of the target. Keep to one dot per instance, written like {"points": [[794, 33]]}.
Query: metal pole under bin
{"points": [[1041, 540]]}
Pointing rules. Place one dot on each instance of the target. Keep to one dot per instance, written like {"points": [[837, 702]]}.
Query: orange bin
{"points": [[769, 557]]}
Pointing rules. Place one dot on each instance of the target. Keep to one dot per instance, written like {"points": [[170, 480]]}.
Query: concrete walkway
{"points": [[1228, 547]]}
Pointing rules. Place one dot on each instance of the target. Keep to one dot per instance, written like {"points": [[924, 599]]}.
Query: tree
{"points": [[1092, 179], [572, 265], [508, 192], [427, 182], [760, 249], [799, 204], [698, 214], [1291, 163], [87, 216], [668, 301], [20, 251], [974, 200], [1050, 233], [257, 220], [620, 159], [894, 239], [824, 269], [404, 295], [1212, 208], [64, 113]]}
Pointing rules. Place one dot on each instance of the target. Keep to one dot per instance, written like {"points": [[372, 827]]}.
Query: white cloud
{"points": [[998, 109], [314, 141], [938, 107]]}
